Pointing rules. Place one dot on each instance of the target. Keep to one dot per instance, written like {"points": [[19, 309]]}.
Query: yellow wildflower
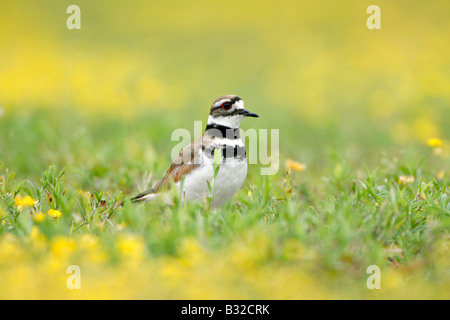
{"points": [[55, 214], [39, 217], [26, 201], [434, 142], [294, 165]]}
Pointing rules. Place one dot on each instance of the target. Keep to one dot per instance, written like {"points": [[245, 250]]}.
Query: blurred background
{"points": [[312, 69], [103, 101]]}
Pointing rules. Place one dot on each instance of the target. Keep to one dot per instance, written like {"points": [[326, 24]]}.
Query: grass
{"points": [[86, 119], [290, 235]]}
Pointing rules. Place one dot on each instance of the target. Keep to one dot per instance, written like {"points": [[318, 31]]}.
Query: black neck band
{"points": [[220, 131]]}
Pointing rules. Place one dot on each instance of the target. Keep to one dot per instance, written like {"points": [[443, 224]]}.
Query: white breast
{"points": [[229, 180], [231, 176]]}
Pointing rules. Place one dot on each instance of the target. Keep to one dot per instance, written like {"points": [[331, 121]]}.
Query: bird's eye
{"points": [[226, 106]]}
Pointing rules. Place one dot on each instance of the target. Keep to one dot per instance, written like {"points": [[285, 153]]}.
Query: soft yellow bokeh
{"points": [[317, 59], [314, 60], [237, 272]]}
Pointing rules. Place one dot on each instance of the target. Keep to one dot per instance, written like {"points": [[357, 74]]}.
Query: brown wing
{"points": [[187, 160]]}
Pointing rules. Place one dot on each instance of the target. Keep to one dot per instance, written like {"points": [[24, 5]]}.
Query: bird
{"points": [[193, 169]]}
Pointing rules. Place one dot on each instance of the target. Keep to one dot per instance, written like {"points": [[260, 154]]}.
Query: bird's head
{"points": [[228, 111]]}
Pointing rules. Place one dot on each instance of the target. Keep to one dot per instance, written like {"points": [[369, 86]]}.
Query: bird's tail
{"points": [[147, 195]]}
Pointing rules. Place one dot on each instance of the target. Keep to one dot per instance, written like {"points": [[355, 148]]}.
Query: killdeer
{"points": [[193, 169]]}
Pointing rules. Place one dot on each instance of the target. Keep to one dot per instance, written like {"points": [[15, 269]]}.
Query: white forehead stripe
{"points": [[239, 104]]}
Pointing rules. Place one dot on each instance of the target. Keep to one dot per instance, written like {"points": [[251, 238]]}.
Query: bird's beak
{"points": [[247, 113]]}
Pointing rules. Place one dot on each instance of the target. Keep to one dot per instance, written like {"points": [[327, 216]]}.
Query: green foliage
{"points": [[351, 218]]}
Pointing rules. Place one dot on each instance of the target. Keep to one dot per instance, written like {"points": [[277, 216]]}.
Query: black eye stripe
{"points": [[233, 113]]}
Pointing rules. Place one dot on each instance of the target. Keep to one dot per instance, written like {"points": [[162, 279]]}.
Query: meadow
{"points": [[86, 118]]}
